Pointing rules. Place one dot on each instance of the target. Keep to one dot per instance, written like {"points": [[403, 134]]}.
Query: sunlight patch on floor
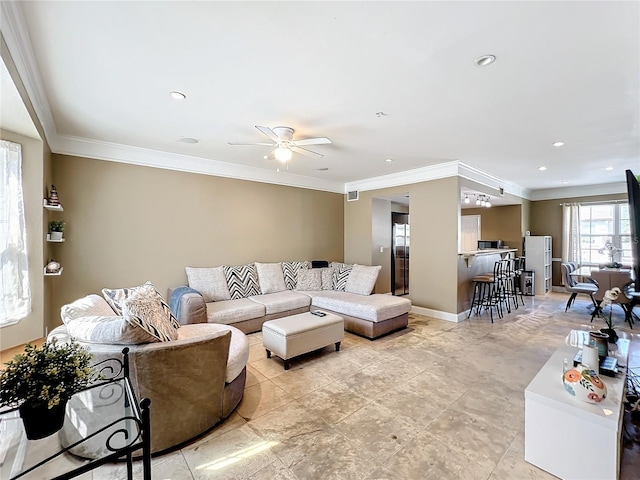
{"points": [[237, 456]]}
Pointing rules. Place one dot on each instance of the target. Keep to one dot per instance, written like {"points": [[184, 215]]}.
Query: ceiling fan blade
{"points": [[306, 152], [269, 133], [312, 141], [263, 144]]}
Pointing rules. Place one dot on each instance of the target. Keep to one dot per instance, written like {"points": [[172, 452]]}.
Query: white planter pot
{"points": [[55, 235]]}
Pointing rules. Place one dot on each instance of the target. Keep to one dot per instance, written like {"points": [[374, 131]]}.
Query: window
{"points": [[602, 224], [15, 295]]}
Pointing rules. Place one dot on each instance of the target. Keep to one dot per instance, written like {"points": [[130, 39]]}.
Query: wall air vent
{"points": [[353, 196]]}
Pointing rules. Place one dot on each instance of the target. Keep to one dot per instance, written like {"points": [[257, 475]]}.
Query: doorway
{"points": [[400, 243]]}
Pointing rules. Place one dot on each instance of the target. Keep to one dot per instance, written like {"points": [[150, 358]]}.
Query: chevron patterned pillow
{"points": [[340, 276], [116, 297], [242, 280], [290, 270]]}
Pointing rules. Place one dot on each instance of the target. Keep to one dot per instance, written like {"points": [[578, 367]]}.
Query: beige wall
{"points": [[435, 214], [127, 224], [546, 219], [381, 237], [500, 223], [32, 326]]}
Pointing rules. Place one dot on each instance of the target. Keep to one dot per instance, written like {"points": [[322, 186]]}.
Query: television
{"points": [[633, 191]]}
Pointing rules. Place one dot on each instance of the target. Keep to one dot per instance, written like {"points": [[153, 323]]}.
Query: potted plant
{"points": [[610, 296], [40, 381], [56, 228]]}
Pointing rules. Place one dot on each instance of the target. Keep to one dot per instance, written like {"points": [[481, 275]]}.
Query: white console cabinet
{"points": [[569, 438]]}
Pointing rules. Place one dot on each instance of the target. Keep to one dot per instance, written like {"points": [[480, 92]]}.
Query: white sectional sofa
{"points": [[246, 296]]}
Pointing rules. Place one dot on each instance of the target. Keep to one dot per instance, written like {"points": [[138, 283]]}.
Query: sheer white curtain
{"points": [[15, 295], [571, 233]]}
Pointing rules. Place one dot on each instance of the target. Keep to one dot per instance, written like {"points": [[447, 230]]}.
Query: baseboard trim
{"points": [[558, 289], [440, 315]]}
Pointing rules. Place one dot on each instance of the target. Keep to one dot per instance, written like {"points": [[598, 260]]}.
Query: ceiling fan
{"points": [[285, 145]]}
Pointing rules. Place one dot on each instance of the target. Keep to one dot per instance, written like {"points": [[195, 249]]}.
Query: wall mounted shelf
{"points": [[55, 208], [46, 274], [54, 241]]}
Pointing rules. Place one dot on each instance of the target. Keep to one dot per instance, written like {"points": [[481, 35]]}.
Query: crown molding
{"points": [[114, 152], [14, 31], [417, 175], [434, 172], [579, 191], [491, 181]]}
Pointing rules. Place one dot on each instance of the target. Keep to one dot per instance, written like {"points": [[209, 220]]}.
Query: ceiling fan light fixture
{"points": [[282, 154]]}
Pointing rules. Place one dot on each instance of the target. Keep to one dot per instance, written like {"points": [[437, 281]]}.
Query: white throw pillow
{"points": [[211, 282], [110, 330], [270, 277], [309, 280], [86, 306], [362, 279]]}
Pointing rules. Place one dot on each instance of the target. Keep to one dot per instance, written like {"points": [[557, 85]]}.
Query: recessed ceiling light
{"points": [[564, 182], [608, 169], [485, 60], [177, 95], [558, 144], [389, 160], [323, 169], [188, 140], [542, 168]]}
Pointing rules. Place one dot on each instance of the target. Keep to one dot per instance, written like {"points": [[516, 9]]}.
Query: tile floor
{"points": [[439, 400]]}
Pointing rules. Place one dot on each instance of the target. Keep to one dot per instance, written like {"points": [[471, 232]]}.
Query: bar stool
{"points": [[508, 279], [487, 292]]}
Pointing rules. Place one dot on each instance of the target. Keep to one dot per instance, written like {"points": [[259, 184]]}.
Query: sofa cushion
{"points": [[149, 313], [116, 297], [375, 308], [327, 278], [290, 271], [309, 279], [238, 348], [113, 330], [282, 301], [86, 306], [362, 279], [242, 280], [210, 282], [340, 276], [270, 277], [233, 311]]}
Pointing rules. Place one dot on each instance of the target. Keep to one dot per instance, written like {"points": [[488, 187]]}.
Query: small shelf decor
{"points": [[56, 228], [40, 381]]}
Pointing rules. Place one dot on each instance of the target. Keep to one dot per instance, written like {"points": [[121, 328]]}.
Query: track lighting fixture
{"points": [[481, 200]]}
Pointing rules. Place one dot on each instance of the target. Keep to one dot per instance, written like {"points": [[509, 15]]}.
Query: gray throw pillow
{"points": [[309, 280]]}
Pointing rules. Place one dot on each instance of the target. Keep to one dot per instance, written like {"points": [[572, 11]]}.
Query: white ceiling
{"points": [[101, 72]]}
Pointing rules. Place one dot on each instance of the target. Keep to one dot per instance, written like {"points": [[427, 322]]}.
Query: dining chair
{"points": [[572, 286], [606, 280]]}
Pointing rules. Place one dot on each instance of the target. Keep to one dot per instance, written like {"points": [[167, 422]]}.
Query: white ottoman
{"points": [[289, 337]]}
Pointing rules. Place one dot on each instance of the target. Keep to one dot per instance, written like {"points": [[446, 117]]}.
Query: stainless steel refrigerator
{"points": [[400, 254]]}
